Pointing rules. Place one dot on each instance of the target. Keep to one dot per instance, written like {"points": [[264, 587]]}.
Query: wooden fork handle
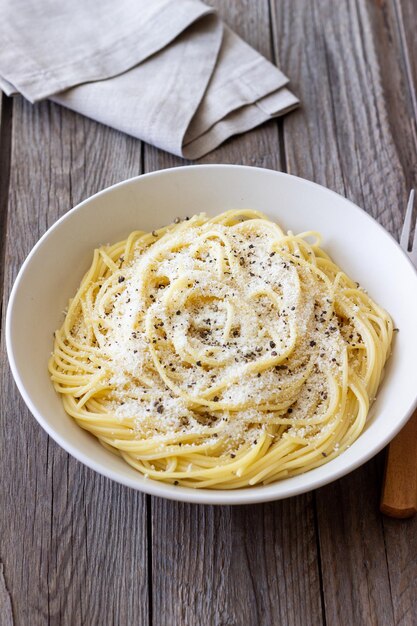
{"points": [[399, 491]]}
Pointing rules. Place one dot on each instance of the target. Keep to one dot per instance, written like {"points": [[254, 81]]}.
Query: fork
{"points": [[399, 491]]}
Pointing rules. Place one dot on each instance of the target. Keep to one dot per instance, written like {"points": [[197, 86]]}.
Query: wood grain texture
{"points": [[354, 134], [407, 26], [356, 581], [399, 490], [6, 613], [244, 565], [401, 550], [241, 565], [73, 544]]}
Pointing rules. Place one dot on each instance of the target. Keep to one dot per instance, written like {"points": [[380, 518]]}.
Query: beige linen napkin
{"points": [[166, 71]]}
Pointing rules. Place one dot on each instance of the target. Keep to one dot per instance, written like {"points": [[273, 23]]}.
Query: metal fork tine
{"points": [[405, 234]]}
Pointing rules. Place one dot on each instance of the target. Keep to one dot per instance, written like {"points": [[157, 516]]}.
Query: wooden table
{"points": [[76, 548]]}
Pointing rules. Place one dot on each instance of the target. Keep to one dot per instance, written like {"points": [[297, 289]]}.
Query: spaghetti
{"points": [[220, 353]]}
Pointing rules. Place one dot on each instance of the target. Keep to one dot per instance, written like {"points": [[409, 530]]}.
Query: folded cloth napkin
{"points": [[166, 71]]}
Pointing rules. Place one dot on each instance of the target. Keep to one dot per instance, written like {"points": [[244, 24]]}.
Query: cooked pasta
{"points": [[220, 352]]}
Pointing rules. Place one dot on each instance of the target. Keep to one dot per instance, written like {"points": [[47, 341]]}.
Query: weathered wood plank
{"points": [[356, 580], [73, 544], [244, 565], [354, 134], [401, 548]]}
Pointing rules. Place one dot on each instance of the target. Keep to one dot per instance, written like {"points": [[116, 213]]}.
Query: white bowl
{"points": [[52, 272]]}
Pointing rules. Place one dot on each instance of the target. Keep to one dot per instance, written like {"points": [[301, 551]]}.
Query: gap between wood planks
{"points": [[6, 114], [6, 612]]}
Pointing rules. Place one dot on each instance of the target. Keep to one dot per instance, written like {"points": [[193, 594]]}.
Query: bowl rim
{"points": [[245, 495]]}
